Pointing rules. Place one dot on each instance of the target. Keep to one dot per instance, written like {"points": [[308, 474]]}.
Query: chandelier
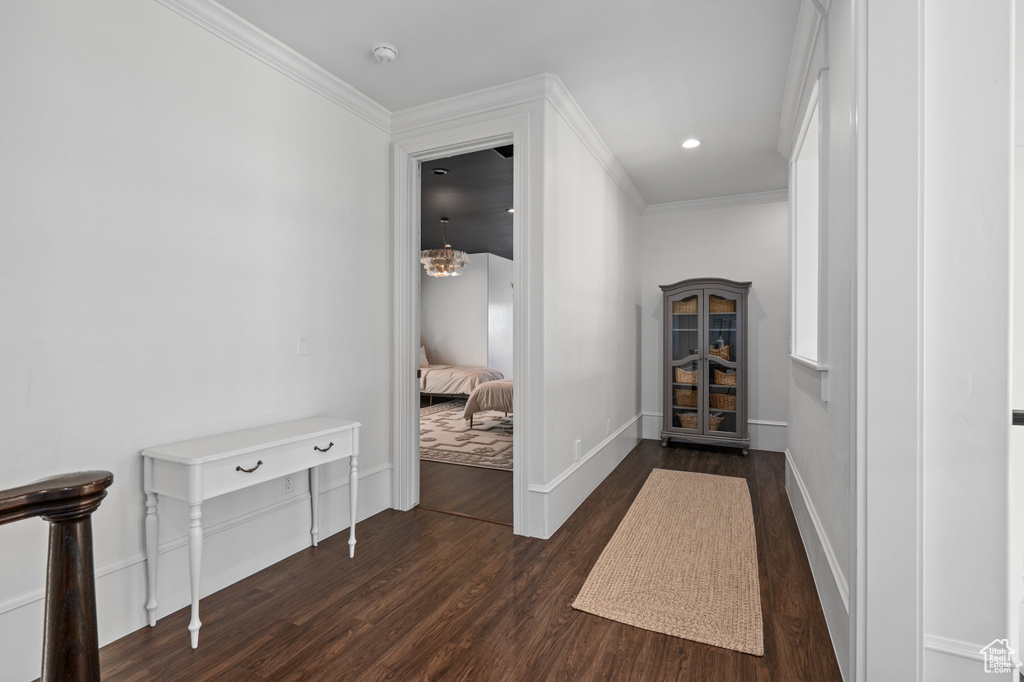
{"points": [[446, 262]]}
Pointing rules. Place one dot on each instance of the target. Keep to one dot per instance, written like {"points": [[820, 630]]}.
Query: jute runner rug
{"points": [[446, 437], [683, 562]]}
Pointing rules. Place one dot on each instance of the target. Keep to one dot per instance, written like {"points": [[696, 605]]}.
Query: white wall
{"points": [[453, 315], [967, 198], [499, 314], [175, 213], [821, 404], [591, 323], [898, 479], [467, 320], [742, 243], [1016, 529]]}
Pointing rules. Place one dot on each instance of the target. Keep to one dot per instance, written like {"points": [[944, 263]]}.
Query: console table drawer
{"points": [[225, 475]]}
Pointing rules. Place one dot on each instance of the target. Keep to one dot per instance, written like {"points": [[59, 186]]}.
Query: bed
{"points": [[452, 380], [490, 395]]}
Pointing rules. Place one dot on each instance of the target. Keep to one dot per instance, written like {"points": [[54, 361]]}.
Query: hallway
{"points": [[436, 596]]}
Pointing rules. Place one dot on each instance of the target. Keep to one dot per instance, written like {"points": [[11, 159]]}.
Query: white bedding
{"points": [[451, 380], [491, 395]]}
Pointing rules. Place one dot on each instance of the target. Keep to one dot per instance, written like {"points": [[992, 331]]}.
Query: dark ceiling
{"points": [[475, 196]]}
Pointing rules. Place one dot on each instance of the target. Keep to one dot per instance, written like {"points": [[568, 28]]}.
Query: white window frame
{"points": [[808, 234]]}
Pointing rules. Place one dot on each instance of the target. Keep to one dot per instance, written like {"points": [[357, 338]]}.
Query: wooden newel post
{"points": [[70, 641]]}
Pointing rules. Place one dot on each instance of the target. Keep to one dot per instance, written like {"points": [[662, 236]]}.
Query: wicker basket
{"points": [[722, 401], [723, 379], [684, 377], [721, 305], [725, 352], [688, 420], [685, 307], [684, 397]]}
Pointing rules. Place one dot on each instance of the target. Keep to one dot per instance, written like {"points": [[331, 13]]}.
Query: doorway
{"points": [[466, 335], [410, 152]]}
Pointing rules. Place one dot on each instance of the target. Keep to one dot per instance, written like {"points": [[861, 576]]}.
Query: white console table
{"points": [[196, 470]]}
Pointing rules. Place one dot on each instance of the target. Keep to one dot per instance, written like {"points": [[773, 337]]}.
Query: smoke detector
{"points": [[385, 53]]}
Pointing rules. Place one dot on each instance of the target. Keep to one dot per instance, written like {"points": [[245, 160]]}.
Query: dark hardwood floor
{"points": [[484, 494], [433, 596]]}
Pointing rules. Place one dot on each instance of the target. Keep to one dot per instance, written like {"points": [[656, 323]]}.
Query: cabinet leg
{"points": [[664, 442]]}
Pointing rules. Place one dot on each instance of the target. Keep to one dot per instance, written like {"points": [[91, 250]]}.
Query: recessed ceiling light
{"points": [[692, 143], [439, 171], [510, 210]]}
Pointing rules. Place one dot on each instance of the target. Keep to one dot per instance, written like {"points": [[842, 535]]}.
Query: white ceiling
{"points": [[647, 73]]}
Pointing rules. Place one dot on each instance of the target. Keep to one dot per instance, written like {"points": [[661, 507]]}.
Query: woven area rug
{"points": [[446, 437], [683, 562]]}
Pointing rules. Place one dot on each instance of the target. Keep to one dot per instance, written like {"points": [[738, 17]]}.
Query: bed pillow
{"points": [[423, 357]]}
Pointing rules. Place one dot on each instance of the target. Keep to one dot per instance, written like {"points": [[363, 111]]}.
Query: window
{"points": [[804, 236]]}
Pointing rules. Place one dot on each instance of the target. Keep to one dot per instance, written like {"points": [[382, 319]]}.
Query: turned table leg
{"points": [[353, 482], [152, 536], [314, 501], [152, 550], [195, 545], [195, 564]]}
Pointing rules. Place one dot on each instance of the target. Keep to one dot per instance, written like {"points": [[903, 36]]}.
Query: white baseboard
{"points": [[829, 579], [229, 555], [764, 434], [552, 504], [952, 660]]}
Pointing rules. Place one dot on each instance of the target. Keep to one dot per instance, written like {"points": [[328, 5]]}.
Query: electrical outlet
{"points": [[302, 345], [608, 431], [286, 485], [579, 450]]}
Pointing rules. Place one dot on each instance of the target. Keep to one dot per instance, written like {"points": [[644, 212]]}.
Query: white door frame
{"points": [[408, 152]]}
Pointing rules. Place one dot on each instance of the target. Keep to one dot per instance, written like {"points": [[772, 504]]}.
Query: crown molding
{"points": [[229, 27], [239, 33], [769, 197], [562, 101], [540, 88], [798, 80], [409, 122]]}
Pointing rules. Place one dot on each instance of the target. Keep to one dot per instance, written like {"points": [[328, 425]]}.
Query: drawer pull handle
{"points": [[249, 471], [331, 445]]}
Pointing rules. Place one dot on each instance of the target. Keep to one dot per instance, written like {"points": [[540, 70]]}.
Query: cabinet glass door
{"points": [[685, 365], [722, 355]]}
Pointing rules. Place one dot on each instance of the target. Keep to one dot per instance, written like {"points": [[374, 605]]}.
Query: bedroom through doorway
{"points": [[466, 336]]}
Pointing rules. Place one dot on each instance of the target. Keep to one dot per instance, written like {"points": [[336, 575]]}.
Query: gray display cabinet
{"points": [[705, 371]]}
